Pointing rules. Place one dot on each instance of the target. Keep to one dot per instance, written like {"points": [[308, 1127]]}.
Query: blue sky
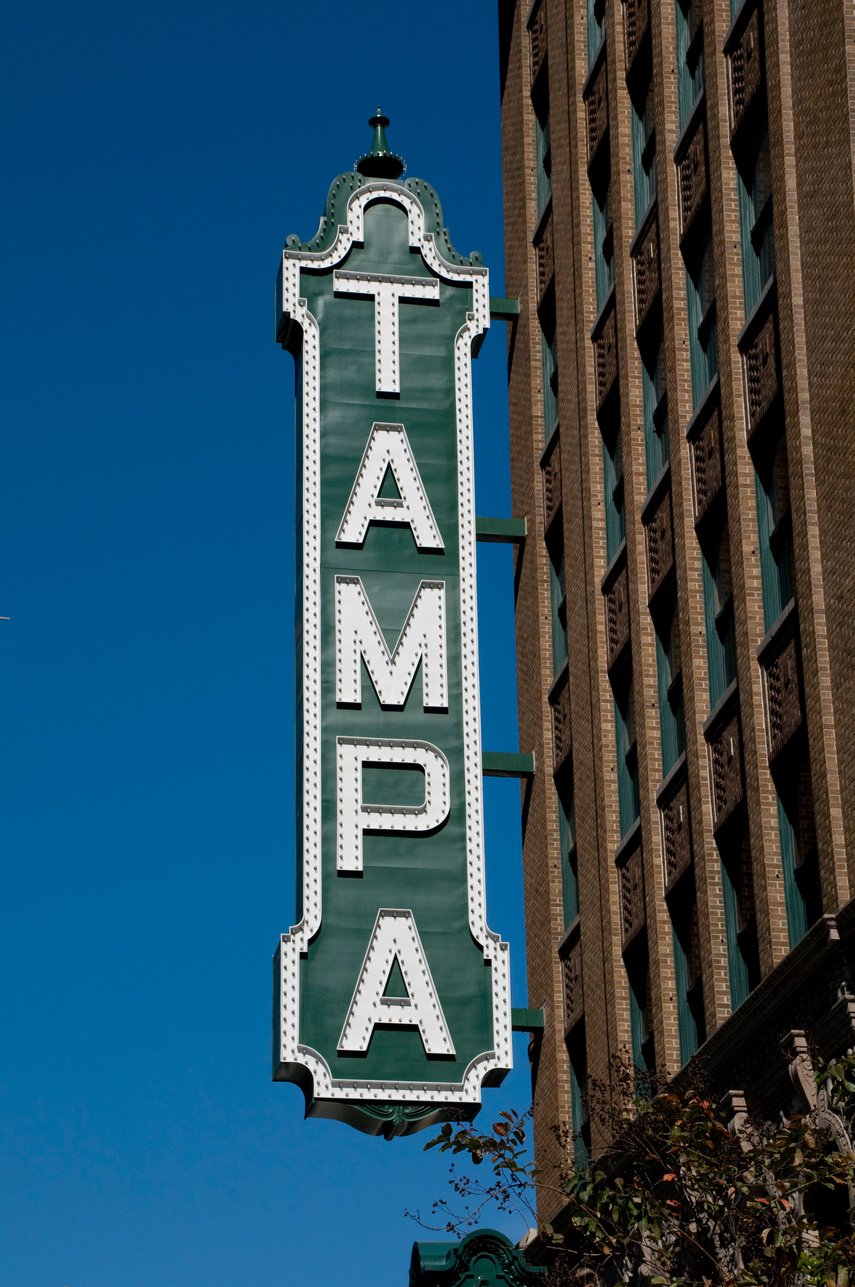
{"points": [[156, 157]]}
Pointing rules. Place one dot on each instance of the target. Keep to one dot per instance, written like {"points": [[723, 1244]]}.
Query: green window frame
{"points": [[578, 1095], [672, 722], [718, 612], [690, 57], [700, 298], [549, 358], [643, 152], [567, 839], [687, 971], [614, 494], [740, 921], [655, 405], [629, 799], [543, 155], [557, 596], [604, 250], [797, 828], [755, 217], [775, 529], [797, 921], [596, 28], [637, 965]]}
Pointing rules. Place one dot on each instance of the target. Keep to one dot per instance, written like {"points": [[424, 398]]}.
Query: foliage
{"points": [[683, 1196]]}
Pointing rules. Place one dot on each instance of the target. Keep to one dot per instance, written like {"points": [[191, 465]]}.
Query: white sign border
{"points": [[294, 1055]]}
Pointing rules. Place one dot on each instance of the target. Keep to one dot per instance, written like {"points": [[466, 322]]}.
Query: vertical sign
{"points": [[391, 1004]]}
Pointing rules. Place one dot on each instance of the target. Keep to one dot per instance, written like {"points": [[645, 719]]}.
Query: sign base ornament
{"points": [[391, 994]]}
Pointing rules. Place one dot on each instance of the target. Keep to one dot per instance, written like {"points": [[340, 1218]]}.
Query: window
{"points": [[627, 751], [690, 57], [549, 358], [739, 916], [655, 403], [672, 724], [718, 610], [543, 155], [775, 529], [700, 293], [603, 238], [567, 840], [596, 28], [640, 1011], [579, 1094], [755, 216], [798, 842], [613, 476], [643, 150], [557, 597], [683, 907]]}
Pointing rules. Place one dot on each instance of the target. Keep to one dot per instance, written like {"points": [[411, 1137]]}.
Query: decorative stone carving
{"points": [[597, 107], [631, 884], [707, 460], [784, 702], [746, 72], [727, 779], [694, 184], [645, 260], [605, 354], [760, 359], [659, 529], [551, 467], [562, 737], [537, 42], [574, 1000], [677, 835], [545, 259], [617, 616], [636, 24]]}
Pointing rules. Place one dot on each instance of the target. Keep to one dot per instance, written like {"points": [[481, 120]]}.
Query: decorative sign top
{"points": [[392, 1004]]}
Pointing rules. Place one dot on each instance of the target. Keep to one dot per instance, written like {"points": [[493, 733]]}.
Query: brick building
{"points": [[680, 233]]}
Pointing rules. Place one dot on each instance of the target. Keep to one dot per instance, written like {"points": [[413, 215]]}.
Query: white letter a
{"points": [[389, 448], [395, 939]]}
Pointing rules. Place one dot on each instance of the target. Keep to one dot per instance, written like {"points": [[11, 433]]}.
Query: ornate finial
{"points": [[380, 162]]}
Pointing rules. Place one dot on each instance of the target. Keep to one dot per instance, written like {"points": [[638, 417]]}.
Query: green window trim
{"points": [[737, 946], [550, 383], [683, 908], [643, 156], [567, 840], [797, 916], [596, 16], [655, 407], [578, 1093], [603, 246], [686, 1023], [755, 218], [629, 799], [543, 168], [641, 1031], [614, 508], [720, 629], [690, 57], [703, 338], [672, 725], [774, 529], [557, 599]]}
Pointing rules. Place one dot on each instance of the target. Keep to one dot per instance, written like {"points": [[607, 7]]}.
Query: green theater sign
{"points": [[392, 1005]]}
